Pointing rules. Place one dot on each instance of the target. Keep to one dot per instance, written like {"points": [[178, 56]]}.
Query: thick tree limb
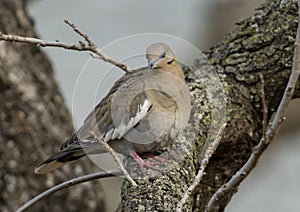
{"points": [[268, 135], [207, 154], [262, 44], [252, 49]]}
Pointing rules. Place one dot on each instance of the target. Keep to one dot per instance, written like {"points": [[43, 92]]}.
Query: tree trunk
{"points": [[34, 121], [262, 44]]}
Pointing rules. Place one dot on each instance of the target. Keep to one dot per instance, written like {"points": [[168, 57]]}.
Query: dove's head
{"points": [[160, 55]]}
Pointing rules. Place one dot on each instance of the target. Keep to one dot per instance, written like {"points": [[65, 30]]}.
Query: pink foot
{"points": [[143, 163], [154, 158]]}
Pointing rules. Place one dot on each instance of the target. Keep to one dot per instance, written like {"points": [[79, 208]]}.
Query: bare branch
{"points": [[115, 156], [279, 117], [89, 46], [85, 36], [69, 183], [264, 106], [207, 155]]}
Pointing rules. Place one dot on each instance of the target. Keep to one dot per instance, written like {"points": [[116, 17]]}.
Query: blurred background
{"points": [[274, 185]]}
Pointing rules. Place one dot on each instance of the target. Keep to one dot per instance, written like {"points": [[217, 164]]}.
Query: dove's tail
{"points": [[57, 161]]}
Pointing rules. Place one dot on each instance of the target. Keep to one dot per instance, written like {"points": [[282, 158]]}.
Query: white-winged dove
{"points": [[142, 113]]}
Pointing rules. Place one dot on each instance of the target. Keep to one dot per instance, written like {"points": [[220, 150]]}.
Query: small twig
{"points": [[235, 181], [89, 46], [264, 106], [69, 183], [85, 36], [115, 156], [207, 155]]}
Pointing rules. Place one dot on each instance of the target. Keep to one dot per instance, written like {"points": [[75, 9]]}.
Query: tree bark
{"points": [[34, 121], [262, 44], [32, 110]]}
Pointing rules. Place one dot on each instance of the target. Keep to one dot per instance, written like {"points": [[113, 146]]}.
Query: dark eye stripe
{"points": [[170, 62]]}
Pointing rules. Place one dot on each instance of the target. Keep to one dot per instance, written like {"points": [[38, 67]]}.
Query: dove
{"points": [[144, 112]]}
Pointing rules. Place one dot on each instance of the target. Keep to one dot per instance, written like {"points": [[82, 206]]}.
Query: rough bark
{"points": [[32, 110], [34, 121], [261, 44]]}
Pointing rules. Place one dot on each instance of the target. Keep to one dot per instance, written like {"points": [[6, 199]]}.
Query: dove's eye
{"points": [[163, 55]]}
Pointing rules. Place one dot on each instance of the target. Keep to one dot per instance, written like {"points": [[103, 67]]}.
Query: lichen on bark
{"points": [[261, 44]]}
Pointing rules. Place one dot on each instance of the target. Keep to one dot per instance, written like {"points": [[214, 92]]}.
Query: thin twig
{"points": [[235, 181], [69, 183], [89, 46], [264, 106], [207, 155], [85, 36], [115, 156]]}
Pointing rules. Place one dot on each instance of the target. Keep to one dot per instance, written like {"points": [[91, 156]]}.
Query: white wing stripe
{"points": [[115, 134], [123, 128], [108, 135], [141, 113]]}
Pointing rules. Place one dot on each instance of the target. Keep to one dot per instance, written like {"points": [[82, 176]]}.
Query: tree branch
{"points": [[207, 154], [116, 158], [69, 183], [269, 136], [260, 44], [264, 106], [89, 46], [82, 179]]}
